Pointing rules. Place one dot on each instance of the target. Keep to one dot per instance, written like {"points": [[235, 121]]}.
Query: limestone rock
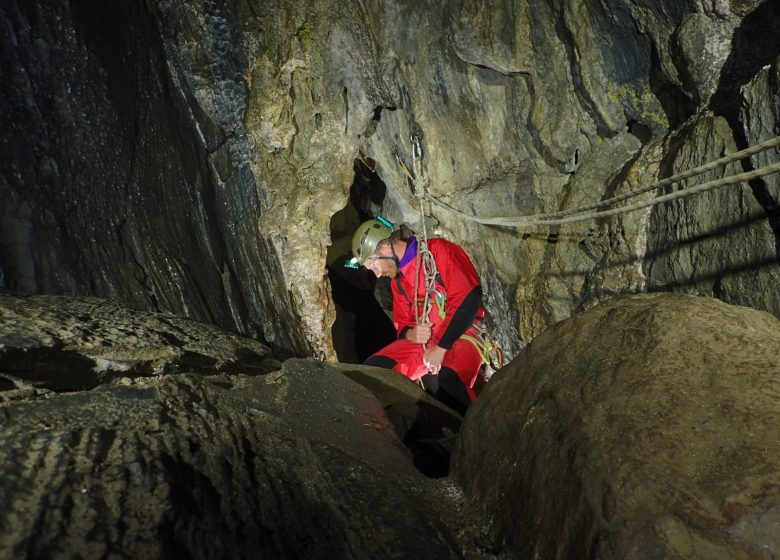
{"points": [[646, 427], [194, 443], [704, 43], [65, 343], [688, 250], [189, 158], [221, 466], [120, 181]]}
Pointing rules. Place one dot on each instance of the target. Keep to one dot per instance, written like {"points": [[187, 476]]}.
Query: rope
{"points": [[731, 158], [424, 256], [541, 220], [489, 352], [570, 216], [424, 259]]}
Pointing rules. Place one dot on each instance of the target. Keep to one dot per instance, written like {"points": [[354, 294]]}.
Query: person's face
{"points": [[381, 263]]}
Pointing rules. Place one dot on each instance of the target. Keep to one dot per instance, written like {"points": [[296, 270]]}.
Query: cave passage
{"points": [[362, 325]]}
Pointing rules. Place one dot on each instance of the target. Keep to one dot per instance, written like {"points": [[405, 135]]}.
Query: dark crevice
{"points": [[53, 368], [508, 73], [640, 131], [367, 189], [429, 442], [414, 127], [376, 117], [428, 430], [361, 327], [677, 105], [345, 98]]}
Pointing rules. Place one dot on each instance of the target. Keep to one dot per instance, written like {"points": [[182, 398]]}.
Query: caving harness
{"points": [[477, 333]]}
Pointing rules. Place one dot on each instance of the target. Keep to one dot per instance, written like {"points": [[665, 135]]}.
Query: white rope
{"points": [[574, 215], [540, 220], [425, 258], [731, 158]]}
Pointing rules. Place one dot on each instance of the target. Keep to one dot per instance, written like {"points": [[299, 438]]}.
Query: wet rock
{"points": [[646, 427]]}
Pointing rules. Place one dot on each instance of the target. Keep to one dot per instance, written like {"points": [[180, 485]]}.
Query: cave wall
{"points": [[231, 130], [118, 179], [526, 110]]}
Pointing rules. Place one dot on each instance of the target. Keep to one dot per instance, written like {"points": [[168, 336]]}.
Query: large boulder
{"points": [[647, 427], [137, 435]]}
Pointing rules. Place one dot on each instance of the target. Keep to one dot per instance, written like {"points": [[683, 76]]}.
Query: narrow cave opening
{"points": [[362, 324]]}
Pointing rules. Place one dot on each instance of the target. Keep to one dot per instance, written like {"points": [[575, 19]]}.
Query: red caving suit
{"points": [[456, 279]]}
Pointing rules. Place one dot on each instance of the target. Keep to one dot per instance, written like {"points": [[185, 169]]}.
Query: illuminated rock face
{"points": [[211, 159], [646, 427], [190, 157]]}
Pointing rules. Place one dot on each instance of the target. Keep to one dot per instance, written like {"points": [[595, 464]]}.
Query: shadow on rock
{"points": [[426, 427]]}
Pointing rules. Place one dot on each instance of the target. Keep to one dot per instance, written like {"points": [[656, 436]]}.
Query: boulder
{"points": [[647, 427], [138, 435]]}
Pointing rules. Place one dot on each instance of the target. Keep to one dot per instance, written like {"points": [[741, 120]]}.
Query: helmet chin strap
{"points": [[395, 258]]}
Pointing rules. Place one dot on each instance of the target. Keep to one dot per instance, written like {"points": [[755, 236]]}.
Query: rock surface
{"points": [[118, 178], [190, 157], [229, 455], [61, 343], [644, 428]]}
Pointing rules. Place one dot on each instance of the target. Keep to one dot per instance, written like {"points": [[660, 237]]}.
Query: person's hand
{"points": [[419, 334], [433, 357]]}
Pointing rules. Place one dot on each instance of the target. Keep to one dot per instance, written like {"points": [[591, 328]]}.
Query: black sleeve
{"points": [[462, 318]]}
